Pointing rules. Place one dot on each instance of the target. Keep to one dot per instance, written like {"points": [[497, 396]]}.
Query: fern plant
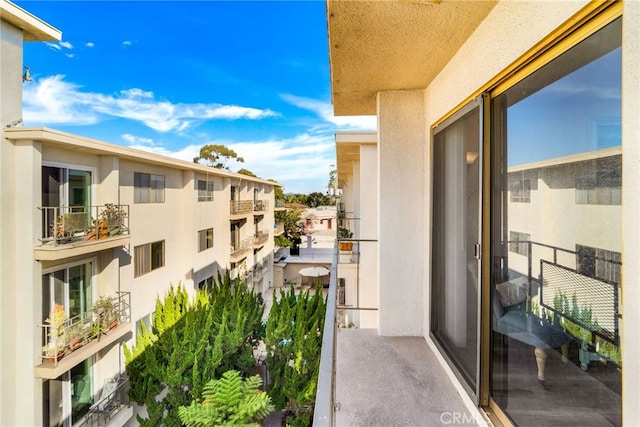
{"points": [[190, 343], [229, 401]]}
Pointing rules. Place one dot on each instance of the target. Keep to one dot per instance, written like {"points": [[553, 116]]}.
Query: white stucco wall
{"points": [[631, 211], [401, 227]]}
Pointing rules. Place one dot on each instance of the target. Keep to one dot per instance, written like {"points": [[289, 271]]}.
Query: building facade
{"points": [[91, 234], [505, 165]]}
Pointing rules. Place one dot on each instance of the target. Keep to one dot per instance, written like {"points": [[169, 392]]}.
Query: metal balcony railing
{"points": [[572, 286], [65, 224], [261, 205], [113, 399], [63, 336], [323, 414], [261, 237], [239, 248], [237, 207]]}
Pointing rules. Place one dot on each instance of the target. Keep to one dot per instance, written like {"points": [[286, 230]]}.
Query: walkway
{"points": [[385, 381]]}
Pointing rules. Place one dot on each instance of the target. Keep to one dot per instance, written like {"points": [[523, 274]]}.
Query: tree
{"points": [[229, 401], [190, 343], [278, 191], [293, 341], [217, 156], [247, 172], [293, 227]]}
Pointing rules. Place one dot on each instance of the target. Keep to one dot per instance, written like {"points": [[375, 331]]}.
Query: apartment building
{"points": [[91, 234], [502, 183]]}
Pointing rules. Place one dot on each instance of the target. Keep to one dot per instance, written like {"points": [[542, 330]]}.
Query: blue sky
{"points": [[169, 77]]}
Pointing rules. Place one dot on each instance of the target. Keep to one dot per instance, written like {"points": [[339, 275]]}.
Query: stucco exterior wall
{"points": [[631, 211], [401, 227], [10, 110]]}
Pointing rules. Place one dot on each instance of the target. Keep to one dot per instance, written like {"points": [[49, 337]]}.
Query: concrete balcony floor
{"points": [[392, 381]]}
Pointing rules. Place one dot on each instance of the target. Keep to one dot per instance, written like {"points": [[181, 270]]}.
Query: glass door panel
{"points": [[556, 239], [456, 238]]}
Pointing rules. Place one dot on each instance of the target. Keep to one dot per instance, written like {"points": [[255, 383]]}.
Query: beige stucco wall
{"points": [[631, 211], [401, 226], [10, 110]]}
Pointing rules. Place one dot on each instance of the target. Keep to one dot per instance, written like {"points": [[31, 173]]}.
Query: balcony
{"points": [[240, 209], [279, 206], [79, 230], [366, 379], [241, 250], [260, 206], [260, 238], [78, 338], [113, 407], [278, 229]]}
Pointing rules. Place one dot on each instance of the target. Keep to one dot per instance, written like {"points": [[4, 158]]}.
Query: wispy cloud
{"points": [[59, 46], [90, 44], [127, 43], [138, 140], [324, 110], [53, 100]]}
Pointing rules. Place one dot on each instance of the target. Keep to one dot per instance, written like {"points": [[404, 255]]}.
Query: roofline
{"points": [[81, 143], [33, 27], [359, 137], [574, 158]]}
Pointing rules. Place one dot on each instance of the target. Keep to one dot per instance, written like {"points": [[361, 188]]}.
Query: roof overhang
{"points": [[34, 29], [392, 45], [348, 151], [81, 144]]}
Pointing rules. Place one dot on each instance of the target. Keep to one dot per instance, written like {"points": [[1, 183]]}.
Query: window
{"points": [[599, 182], [205, 239], [598, 263], [148, 188], [519, 190], [516, 243], [148, 257], [205, 190], [206, 283]]}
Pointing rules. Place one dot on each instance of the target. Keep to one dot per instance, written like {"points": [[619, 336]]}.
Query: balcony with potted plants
{"points": [[240, 209], [79, 230], [260, 206], [69, 341]]}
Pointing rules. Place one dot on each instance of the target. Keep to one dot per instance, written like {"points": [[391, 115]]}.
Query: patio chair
{"points": [[512, 319]]}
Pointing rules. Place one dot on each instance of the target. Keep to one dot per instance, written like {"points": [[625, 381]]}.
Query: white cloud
{"points": [[137, 140], [89, 44], [60, 45], [54, 46], [325, 112], [53, 100], [127, 43], [69, 55], [300, 163]]}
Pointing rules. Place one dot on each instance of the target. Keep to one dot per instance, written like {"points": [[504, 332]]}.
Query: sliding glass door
{"points": [[455, 247], [556, 239]]}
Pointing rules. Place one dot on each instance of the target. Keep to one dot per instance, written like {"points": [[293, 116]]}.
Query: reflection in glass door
{"points": [[557, 239], [456, 240]]}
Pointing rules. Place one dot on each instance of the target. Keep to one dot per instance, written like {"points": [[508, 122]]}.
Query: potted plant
{"points": [[344, 233], [54, 349], [112, 218], [105, 310]]}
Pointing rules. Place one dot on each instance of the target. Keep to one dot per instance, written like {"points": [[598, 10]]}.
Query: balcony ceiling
{"points": [[393, 45]]}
